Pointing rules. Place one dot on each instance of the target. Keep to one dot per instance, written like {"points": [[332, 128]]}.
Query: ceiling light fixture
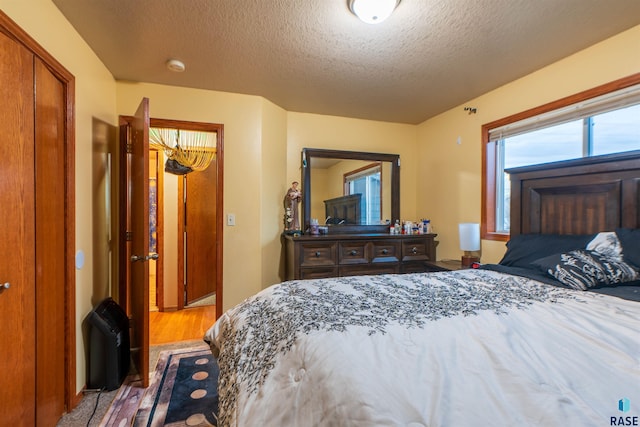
{"points": [[373, 11], [175, 65]]}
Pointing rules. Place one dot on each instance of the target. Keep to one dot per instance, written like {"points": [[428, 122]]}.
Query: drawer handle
{"points": [[414, 250], [384, 252], [353, 252], [317, 254]]}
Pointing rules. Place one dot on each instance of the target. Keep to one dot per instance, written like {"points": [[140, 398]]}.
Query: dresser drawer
{"points": [[361, 270], [385, 251], [415, 267], [352, 253], [317, 254], [415, 250], [318, 272]]}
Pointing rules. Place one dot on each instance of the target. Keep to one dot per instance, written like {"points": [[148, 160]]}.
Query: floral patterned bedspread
{"points": [[450, 348]]}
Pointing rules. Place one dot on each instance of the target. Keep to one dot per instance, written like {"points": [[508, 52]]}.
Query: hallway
{"points": [[188, 324]]}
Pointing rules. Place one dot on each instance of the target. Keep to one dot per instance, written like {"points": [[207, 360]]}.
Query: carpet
{"points": [[182, 392]]}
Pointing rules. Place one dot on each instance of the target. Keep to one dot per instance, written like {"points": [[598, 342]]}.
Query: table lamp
{"points": [[469, 241]]}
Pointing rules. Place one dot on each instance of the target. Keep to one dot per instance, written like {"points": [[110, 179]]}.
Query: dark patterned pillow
{"points": [[630, 242], [583, 269], [523, 249]]}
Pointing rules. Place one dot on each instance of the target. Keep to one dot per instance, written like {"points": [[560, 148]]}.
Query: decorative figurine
{"points": [[291, 200]]}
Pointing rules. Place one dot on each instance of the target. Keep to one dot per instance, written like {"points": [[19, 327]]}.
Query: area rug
{"points": [[182, 392]]}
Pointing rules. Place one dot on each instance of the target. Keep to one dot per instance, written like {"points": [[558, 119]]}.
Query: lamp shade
{"points": [[469, 236], [373, 11]]}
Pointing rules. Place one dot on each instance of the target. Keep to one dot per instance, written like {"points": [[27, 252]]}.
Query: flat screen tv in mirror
{"points": [[350, 191]]}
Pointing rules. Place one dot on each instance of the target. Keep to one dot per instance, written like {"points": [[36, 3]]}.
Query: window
{"points": [[368, 182], [601, 121]]}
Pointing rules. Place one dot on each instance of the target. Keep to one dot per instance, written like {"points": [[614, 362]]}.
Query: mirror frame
{"points": [[310, 153]]}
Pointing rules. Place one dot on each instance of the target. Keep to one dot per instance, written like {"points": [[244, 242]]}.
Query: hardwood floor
{"points": [[183, 325]]}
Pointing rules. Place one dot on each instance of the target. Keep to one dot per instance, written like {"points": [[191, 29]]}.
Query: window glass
{"points": [[369, 186], [616, 131], [611, 132], [555, 143], [560, 142]]}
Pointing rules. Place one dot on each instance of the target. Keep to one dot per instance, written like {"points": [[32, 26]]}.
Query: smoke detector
{"points": [[175, 65]]}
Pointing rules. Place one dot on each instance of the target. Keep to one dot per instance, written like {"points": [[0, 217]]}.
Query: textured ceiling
{"points": [[315, 56]]}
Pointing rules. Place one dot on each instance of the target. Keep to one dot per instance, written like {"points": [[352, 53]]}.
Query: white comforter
{"points": [[466, 348]]}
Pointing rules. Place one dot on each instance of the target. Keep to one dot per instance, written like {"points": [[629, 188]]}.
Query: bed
{"points": [[550, 336]]}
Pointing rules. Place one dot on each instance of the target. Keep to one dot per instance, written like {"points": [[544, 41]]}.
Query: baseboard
{"points": [[77, 398]]}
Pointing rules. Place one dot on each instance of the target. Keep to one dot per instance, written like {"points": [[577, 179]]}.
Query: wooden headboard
{"points": [[576, 196], [344, 210]]}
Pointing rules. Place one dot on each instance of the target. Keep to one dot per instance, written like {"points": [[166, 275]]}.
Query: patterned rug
{"points": [[182, 392]]}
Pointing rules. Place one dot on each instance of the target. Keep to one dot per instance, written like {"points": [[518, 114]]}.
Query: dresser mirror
{"points": [[350, 191]]}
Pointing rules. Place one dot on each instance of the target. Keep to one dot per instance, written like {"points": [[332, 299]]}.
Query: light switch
{"points": [[231, 219]]}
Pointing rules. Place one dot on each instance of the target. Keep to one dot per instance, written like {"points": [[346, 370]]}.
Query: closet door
{"points": [[33, 240], [50, 244], [17, 236]]}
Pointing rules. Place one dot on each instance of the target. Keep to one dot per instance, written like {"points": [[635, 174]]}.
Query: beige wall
{"points": [[170, 240], [449, 180], [273, 186], [440, 179]]}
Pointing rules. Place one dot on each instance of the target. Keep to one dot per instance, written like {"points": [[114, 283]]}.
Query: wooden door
{"points": [[200, 227], [17, 254], [49, 246], [36, 168], [139, 265]]}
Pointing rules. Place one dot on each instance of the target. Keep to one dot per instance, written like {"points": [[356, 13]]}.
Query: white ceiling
{"points": [[315, 56]]}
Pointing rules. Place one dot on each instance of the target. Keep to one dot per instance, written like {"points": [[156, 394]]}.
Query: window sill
{"points": [[498, 236]]}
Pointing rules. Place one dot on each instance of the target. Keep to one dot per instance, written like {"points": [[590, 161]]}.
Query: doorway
{"points": [[134, 227], [188, 227]]}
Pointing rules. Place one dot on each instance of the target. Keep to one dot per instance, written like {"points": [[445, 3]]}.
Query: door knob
{"points": [[135, 258], [4, 286]]}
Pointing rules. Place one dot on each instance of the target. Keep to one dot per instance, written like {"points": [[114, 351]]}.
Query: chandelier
{"points": [[186, 150]]}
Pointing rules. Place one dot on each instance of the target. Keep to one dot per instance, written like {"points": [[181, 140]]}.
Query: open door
{"points": [[138, 236]]}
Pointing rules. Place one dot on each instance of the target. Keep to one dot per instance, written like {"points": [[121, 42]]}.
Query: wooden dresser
{"points": [[312, 257]]}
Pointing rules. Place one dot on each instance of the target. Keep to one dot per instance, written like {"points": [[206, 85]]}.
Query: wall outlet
{"points": [[231, 219]]}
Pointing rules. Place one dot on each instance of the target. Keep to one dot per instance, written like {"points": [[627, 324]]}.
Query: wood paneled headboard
{"points": [[576, 196], [344, 210]]}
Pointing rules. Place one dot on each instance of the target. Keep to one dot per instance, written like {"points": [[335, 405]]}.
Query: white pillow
{"points": [[607, 244]]}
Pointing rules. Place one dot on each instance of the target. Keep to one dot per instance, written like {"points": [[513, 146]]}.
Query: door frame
{"points": [[11, 29], [219, 130]]}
